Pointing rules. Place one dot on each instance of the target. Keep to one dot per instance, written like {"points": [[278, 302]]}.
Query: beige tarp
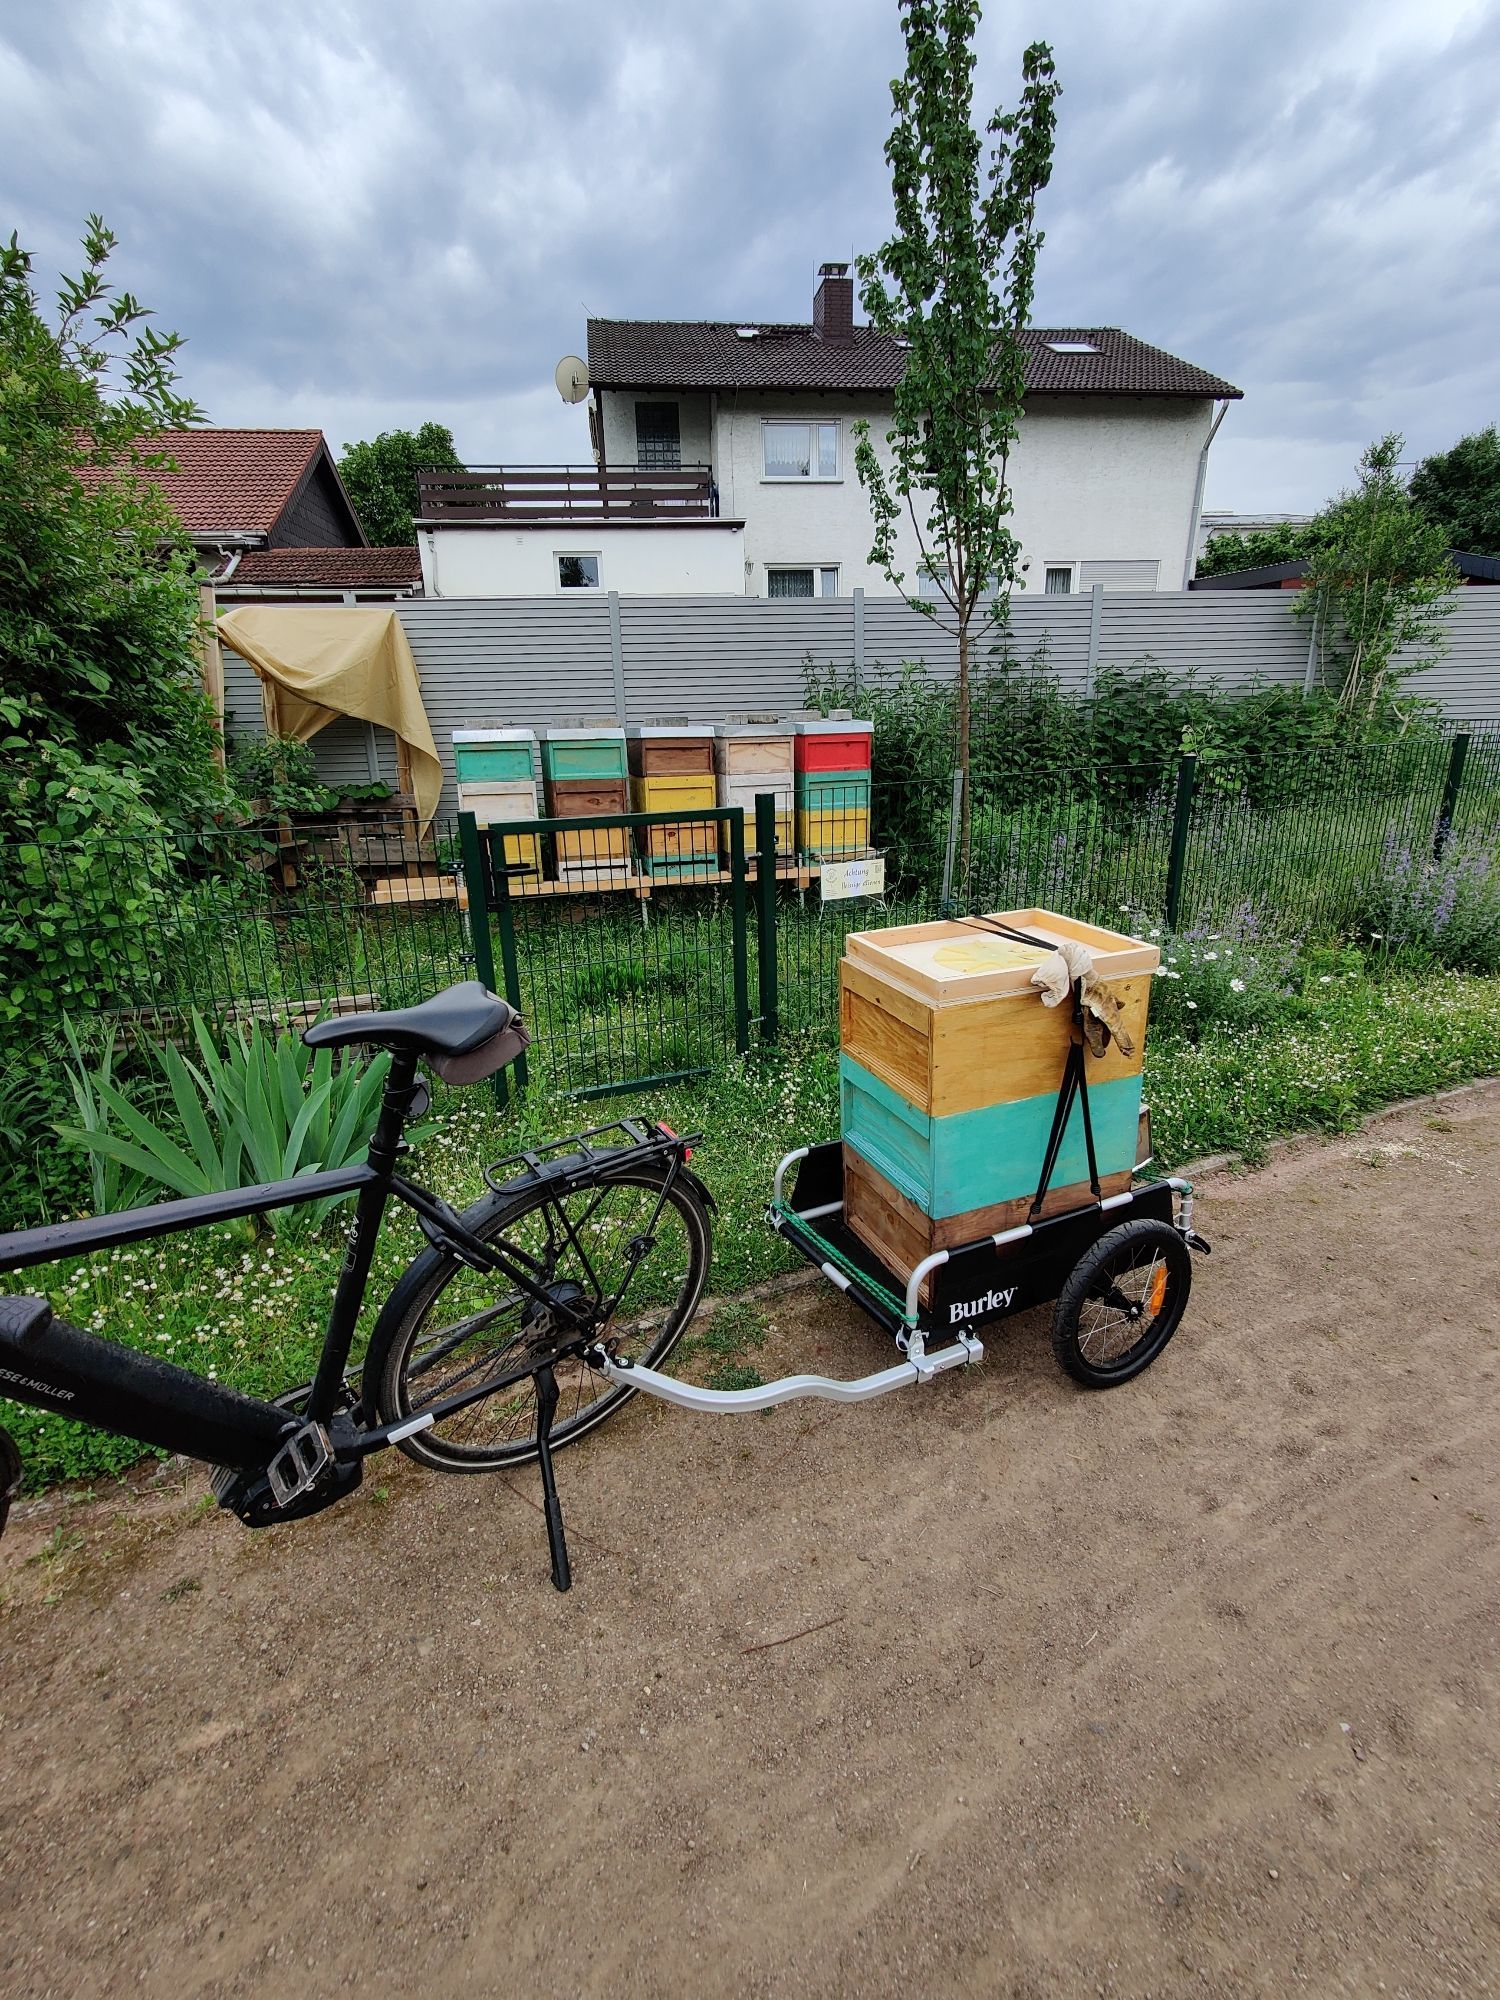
{"points": [[319, 662]]}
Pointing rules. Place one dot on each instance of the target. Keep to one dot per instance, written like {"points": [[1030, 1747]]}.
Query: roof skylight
{"points": [[1072, 347]]}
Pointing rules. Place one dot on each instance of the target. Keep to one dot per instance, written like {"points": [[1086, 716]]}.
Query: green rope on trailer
{"points": [[847, 1265]]}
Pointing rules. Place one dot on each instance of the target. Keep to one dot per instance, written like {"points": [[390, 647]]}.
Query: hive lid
{"points": [[670, 732], [744, 725], [828, 725], [582, 732], [494, 736], [956, 960]]}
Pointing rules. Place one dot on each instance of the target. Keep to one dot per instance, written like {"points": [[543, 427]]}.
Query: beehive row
{"points": [[818, 772]]}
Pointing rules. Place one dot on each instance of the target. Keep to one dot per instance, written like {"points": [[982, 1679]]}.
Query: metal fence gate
{"points": [[623, 939]]}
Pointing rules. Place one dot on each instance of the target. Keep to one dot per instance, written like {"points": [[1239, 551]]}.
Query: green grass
{"points": [[1339, 1044]]}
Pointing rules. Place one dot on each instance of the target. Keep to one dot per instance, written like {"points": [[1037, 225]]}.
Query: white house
{"points": [[724, 461]]}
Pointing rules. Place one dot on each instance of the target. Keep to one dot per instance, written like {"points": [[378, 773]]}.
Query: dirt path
{"points": [[1186, 1689]]}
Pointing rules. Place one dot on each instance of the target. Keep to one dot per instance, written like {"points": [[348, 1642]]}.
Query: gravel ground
{"points": [[1190, 1688]]}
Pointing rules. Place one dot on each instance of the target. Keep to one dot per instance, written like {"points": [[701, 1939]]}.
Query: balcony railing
{"points": [[517, 494]]}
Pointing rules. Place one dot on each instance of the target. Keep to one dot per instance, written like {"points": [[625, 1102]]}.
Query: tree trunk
{"points": [[965, 815]]}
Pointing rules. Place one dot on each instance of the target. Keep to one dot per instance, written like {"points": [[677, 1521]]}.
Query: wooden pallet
{"points": [[403, 891]]}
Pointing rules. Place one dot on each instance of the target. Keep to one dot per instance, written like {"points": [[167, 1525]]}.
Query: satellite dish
{"points": [[572, 379]]}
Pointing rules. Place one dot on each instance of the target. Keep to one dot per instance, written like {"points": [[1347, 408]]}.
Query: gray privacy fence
{"points": [[530, 660]]}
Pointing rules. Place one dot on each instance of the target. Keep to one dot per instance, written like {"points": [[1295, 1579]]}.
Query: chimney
{"points": [[833, 304]]}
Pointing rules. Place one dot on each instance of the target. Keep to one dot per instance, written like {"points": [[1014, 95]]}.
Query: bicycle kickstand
{"points": [[546, 1409]]}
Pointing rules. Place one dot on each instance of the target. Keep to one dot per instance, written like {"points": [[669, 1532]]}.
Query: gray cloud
{"points": [[365, 215]]}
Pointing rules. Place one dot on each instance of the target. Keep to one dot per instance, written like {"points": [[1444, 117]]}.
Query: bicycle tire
{"points": [[1109, 1265], [396, 1342]]}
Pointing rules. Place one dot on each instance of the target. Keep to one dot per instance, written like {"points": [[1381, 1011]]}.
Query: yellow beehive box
{"points": [[834, 830], [946, 1013], [594, 846]]}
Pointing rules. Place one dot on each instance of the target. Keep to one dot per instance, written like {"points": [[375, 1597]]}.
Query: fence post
{"points": [[1457, 758], [859, 634], [741, 960], [617, 655], [955, 813], [765, 924], [1187, 778], [1096, 617]]}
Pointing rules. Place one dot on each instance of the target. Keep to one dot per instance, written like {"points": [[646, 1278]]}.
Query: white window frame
{"points": [[1071, 568], [797, 479], [817, 570], [560, 556]]}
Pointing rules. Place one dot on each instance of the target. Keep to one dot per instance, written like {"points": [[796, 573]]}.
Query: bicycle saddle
{"points": [[454, 1022]]}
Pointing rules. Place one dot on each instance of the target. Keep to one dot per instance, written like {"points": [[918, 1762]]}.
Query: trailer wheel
{"points": [[1122, 1304]]}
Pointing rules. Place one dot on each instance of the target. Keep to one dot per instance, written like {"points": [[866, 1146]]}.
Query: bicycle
{"points": [[508, 1337]]}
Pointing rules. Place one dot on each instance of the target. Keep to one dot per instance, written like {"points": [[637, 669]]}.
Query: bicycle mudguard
{"points": [[53, 1365]]}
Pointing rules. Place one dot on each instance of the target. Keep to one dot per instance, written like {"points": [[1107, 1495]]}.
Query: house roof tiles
{"points": [[232, 481], [714, 354], [346, 569]]}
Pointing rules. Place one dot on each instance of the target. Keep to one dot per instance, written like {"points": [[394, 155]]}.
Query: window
{"points": [[658, 436], [577, 572], [933, 577], [801, 451], [820, 582], [1059, 580], [1072, 347]]}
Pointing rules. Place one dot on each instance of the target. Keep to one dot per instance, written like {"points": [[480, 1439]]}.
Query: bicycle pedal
{"points": [[298, 1465]]}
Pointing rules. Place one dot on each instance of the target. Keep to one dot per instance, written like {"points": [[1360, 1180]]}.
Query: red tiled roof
{"points": [[346, 569], [235, 482], [712, 354]]}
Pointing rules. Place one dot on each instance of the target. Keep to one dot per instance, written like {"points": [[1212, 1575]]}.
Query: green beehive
{"points": [[573, 751], [494, 756]]}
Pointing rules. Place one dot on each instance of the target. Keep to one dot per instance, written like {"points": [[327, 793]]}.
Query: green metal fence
{"points": [[655, 945], [623, 938], [228, 922]]}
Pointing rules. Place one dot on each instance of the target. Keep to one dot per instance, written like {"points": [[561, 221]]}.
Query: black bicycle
{"points": [[511, 1335]]}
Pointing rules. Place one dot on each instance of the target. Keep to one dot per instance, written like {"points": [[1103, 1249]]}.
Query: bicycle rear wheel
{"points": [[445, 1326]]}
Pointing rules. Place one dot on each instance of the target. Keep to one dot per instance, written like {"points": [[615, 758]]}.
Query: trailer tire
{"points": [[1122, 1303]]}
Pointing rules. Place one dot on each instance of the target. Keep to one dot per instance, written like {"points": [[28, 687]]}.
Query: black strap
{"points": [[1074, 1080], [1074, 1084]]}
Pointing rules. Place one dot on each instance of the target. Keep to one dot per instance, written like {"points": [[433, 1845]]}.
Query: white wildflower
{"points": [[1236, 985], [1194, 1005]]}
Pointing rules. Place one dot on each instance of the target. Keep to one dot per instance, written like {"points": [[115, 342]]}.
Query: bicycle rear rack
{"points": [[579, 1152]]}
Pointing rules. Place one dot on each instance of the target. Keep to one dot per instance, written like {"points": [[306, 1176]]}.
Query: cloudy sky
{"points": [[368, 214]]}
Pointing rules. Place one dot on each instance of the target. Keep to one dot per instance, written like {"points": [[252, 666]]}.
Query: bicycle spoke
{"points": [[584, 1247]]}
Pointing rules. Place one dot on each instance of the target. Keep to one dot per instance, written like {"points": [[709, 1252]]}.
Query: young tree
{"points": [[381, 476], [954, 284], [1459, 491], [1379, 585]]}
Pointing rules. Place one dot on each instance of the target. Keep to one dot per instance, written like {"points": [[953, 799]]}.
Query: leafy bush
{"points": [[81, 890], [266, 1110], [277, 775]]}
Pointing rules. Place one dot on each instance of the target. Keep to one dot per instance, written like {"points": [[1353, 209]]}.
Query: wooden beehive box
{"points": [[665, 750], [950, 1069]]}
